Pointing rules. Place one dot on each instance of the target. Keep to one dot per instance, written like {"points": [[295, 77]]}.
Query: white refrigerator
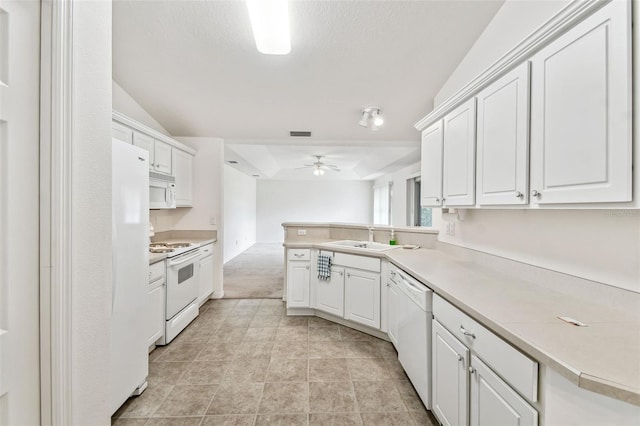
{"points": [[130, 254]]}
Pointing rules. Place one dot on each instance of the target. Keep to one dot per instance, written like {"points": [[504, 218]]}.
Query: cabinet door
{"points": [[205, 280], [183, 172], [162, 157], [362, 297], [431, 166], [459, 172], [494, 403], [450, 381], [581, 112], [121, 132], [298, 284], [395, 308], [503, 140], [156, 315], [145, 142], [330, 293]]}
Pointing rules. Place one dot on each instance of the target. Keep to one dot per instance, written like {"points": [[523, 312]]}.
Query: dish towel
{"points": [[324, 267]]}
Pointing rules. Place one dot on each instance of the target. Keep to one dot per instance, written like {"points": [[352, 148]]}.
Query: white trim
{"points": [[569, 16], [127, 121], [56, 212]]}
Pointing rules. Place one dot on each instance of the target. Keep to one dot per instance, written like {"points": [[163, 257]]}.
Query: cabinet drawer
{"points": [[513, 366], [156, 271], [206, 250], [357, 262], [299, 254]]}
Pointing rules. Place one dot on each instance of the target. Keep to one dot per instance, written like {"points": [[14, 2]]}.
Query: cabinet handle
{"points": [[467, 333], [298, 254], [393, 273], [307, 267], [348, 275], [153, 164], [519, 194], [472, 370], [443, 200], [341, 273], [535, 193], [460, 358], [437, 200]]}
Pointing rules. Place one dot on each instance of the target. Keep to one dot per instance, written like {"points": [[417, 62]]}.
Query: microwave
{"points": [[162, 191]]}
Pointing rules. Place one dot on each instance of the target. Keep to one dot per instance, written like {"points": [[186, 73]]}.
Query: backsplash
{"points": [[162, 220]]}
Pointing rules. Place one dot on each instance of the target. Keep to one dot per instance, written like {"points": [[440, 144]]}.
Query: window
{"points": [[382, 204], [416, 214]]}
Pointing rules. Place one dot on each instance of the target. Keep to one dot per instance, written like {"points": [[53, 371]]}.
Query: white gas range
{"points": [[181, 299]]}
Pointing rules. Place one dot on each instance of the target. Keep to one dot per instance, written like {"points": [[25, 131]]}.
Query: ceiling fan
{"points": [[319, 167]]}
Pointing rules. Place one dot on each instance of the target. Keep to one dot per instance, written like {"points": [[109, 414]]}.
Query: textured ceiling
{"points": [[194, 67]]}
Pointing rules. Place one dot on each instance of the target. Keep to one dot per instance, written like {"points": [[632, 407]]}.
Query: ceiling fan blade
{"points": [[331, 166]]}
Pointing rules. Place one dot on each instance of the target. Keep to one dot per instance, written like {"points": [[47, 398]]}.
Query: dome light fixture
{"points": [[318, 171], [372, 118]]}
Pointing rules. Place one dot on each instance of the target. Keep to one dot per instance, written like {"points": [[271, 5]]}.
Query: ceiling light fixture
{"points": [[270, 24], [371, 118], [318, 171]]}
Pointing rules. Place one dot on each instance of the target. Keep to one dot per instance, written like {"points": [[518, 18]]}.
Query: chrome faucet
{"points": [[371, 234]]}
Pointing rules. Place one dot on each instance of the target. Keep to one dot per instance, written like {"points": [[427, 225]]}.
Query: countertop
{"points": [[157, 257], [603, 357]]}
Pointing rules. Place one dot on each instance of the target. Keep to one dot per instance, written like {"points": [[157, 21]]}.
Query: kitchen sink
{"points": [[364, 245]]}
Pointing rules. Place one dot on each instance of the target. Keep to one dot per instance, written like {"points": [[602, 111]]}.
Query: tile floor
{"points": [[244, 362]]}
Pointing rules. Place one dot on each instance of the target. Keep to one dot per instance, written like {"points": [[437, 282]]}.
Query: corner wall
{"points": [[281, 201], [239, 212], [600, 245]]}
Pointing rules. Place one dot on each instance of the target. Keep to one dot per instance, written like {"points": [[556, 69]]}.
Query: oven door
{"points": [[182, 282]]}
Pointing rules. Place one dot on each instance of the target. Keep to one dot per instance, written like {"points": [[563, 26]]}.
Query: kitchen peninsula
{"points": [[586, 373]]}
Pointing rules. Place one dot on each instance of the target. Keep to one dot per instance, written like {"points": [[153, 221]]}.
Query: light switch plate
{"points": [[302, 232]]}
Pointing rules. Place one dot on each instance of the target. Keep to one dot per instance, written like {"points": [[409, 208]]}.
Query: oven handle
{"points": [[180, 260]]}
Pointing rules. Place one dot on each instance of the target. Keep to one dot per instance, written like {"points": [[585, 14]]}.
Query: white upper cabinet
{"points": [[159, 152], [431, 164], [162, 157], [121, 132], [503, 140], [145, 142], [581, 112], [458, 169], [183, 172]]}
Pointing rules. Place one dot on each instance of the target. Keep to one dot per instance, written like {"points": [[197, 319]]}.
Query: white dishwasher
{"points": [[414, 332]]}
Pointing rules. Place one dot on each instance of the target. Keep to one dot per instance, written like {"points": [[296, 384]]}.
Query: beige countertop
{"points": [[603, 357]]}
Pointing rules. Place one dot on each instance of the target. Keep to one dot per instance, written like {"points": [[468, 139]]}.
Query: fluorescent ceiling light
{"points": [[270, 23]]}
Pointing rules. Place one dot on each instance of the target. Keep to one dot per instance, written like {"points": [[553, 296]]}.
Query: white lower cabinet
{"points": [[156, 298], [394, 311], [298, 273], [205, 283], [362, 297], [467, 390], [493, 402], [330, 293], [450, 381]]}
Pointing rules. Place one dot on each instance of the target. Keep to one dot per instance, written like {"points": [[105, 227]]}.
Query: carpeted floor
{"points": [[257, 273]]}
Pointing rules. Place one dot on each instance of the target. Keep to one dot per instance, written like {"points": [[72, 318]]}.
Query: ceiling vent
{"points": [[232, 162], [304, 134]]}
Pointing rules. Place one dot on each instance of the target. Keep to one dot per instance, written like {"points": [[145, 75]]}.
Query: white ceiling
{"points": [[194, 67]]}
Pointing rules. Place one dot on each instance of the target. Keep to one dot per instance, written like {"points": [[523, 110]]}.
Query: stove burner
{"points": [[153, 249]]}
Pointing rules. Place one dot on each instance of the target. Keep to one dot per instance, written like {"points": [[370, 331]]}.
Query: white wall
{"points": [[399, 196], [601, 245], [513, 22], [310, 201], [239, 212], [125, 104], [91, 204]]}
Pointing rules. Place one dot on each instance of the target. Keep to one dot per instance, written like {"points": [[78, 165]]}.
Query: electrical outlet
{"points": [[451, 228], [302, 232]]}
